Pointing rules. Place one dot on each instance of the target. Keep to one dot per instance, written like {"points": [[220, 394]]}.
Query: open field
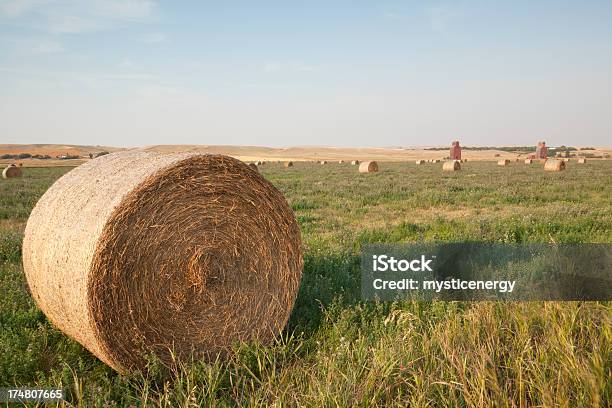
{"points": [[339, 351], [254, 153]]}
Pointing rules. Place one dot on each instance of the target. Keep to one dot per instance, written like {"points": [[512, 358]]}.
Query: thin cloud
{"points": [[153, 38], [74, 16], [288, 67], [48, 47], [440, 17]]}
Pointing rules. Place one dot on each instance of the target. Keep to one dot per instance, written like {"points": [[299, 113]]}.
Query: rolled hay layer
{"points": [[289, 164], [355, 163], [11, 171], [368, 167], [503, 162], [136, 251], [451, 165], [528, 161], [582, 160], [254, 166], [554, 165]]}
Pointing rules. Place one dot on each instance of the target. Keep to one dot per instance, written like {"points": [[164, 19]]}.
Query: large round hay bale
{"points": [[368, 167], [289, 164], [451, 165], [355, 162], [138, 252], [503, 162], [554, 165], [11, 171]]}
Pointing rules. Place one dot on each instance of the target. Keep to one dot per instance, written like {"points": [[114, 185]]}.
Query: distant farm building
{"points": [[455, 151]]}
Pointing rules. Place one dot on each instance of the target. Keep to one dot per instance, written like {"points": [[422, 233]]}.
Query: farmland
{"points": [[338, 350]]}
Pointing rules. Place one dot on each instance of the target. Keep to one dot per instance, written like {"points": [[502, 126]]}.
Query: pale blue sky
{"points": [[280, 73]]}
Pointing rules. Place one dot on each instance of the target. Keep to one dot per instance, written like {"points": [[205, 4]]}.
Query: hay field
{"points": [[339, 351]]}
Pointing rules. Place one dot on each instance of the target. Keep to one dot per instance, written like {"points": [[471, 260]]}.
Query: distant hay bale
{"points": [[582, 160], [419, 162], [503, 162], [368, 167], [355, 163], [496, 155], [340, 161], [554, 165], [322, 162], [289, 164], [437, 161], [528, 161], [451, 165], [11, 171], [179, 254]]}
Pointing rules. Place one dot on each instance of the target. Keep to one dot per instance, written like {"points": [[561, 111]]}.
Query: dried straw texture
{"points": [[11, 171], [451, 165], [368, 167], [289, 164], [254, 167], [136, 251], [503, 162], [554, 165]]}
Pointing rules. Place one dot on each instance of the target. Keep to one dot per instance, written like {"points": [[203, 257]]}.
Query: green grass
{"points": [[339, 351]]}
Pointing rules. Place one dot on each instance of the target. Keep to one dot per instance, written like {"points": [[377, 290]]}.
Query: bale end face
{"points": [[368, 167]]}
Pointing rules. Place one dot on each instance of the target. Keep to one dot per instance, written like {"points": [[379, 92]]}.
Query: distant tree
{"points": [[101, 154], [24, 156]]}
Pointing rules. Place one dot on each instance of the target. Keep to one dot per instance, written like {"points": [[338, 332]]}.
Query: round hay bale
{"points": [[436, 161], [137, 251], [554, 165], [419, 162], [451, 165], [289, 164], [582, 160], [322, 162], [368, 167], [340, 161], [11, 171], [503, 162], [355, 163], [528, 161]]}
